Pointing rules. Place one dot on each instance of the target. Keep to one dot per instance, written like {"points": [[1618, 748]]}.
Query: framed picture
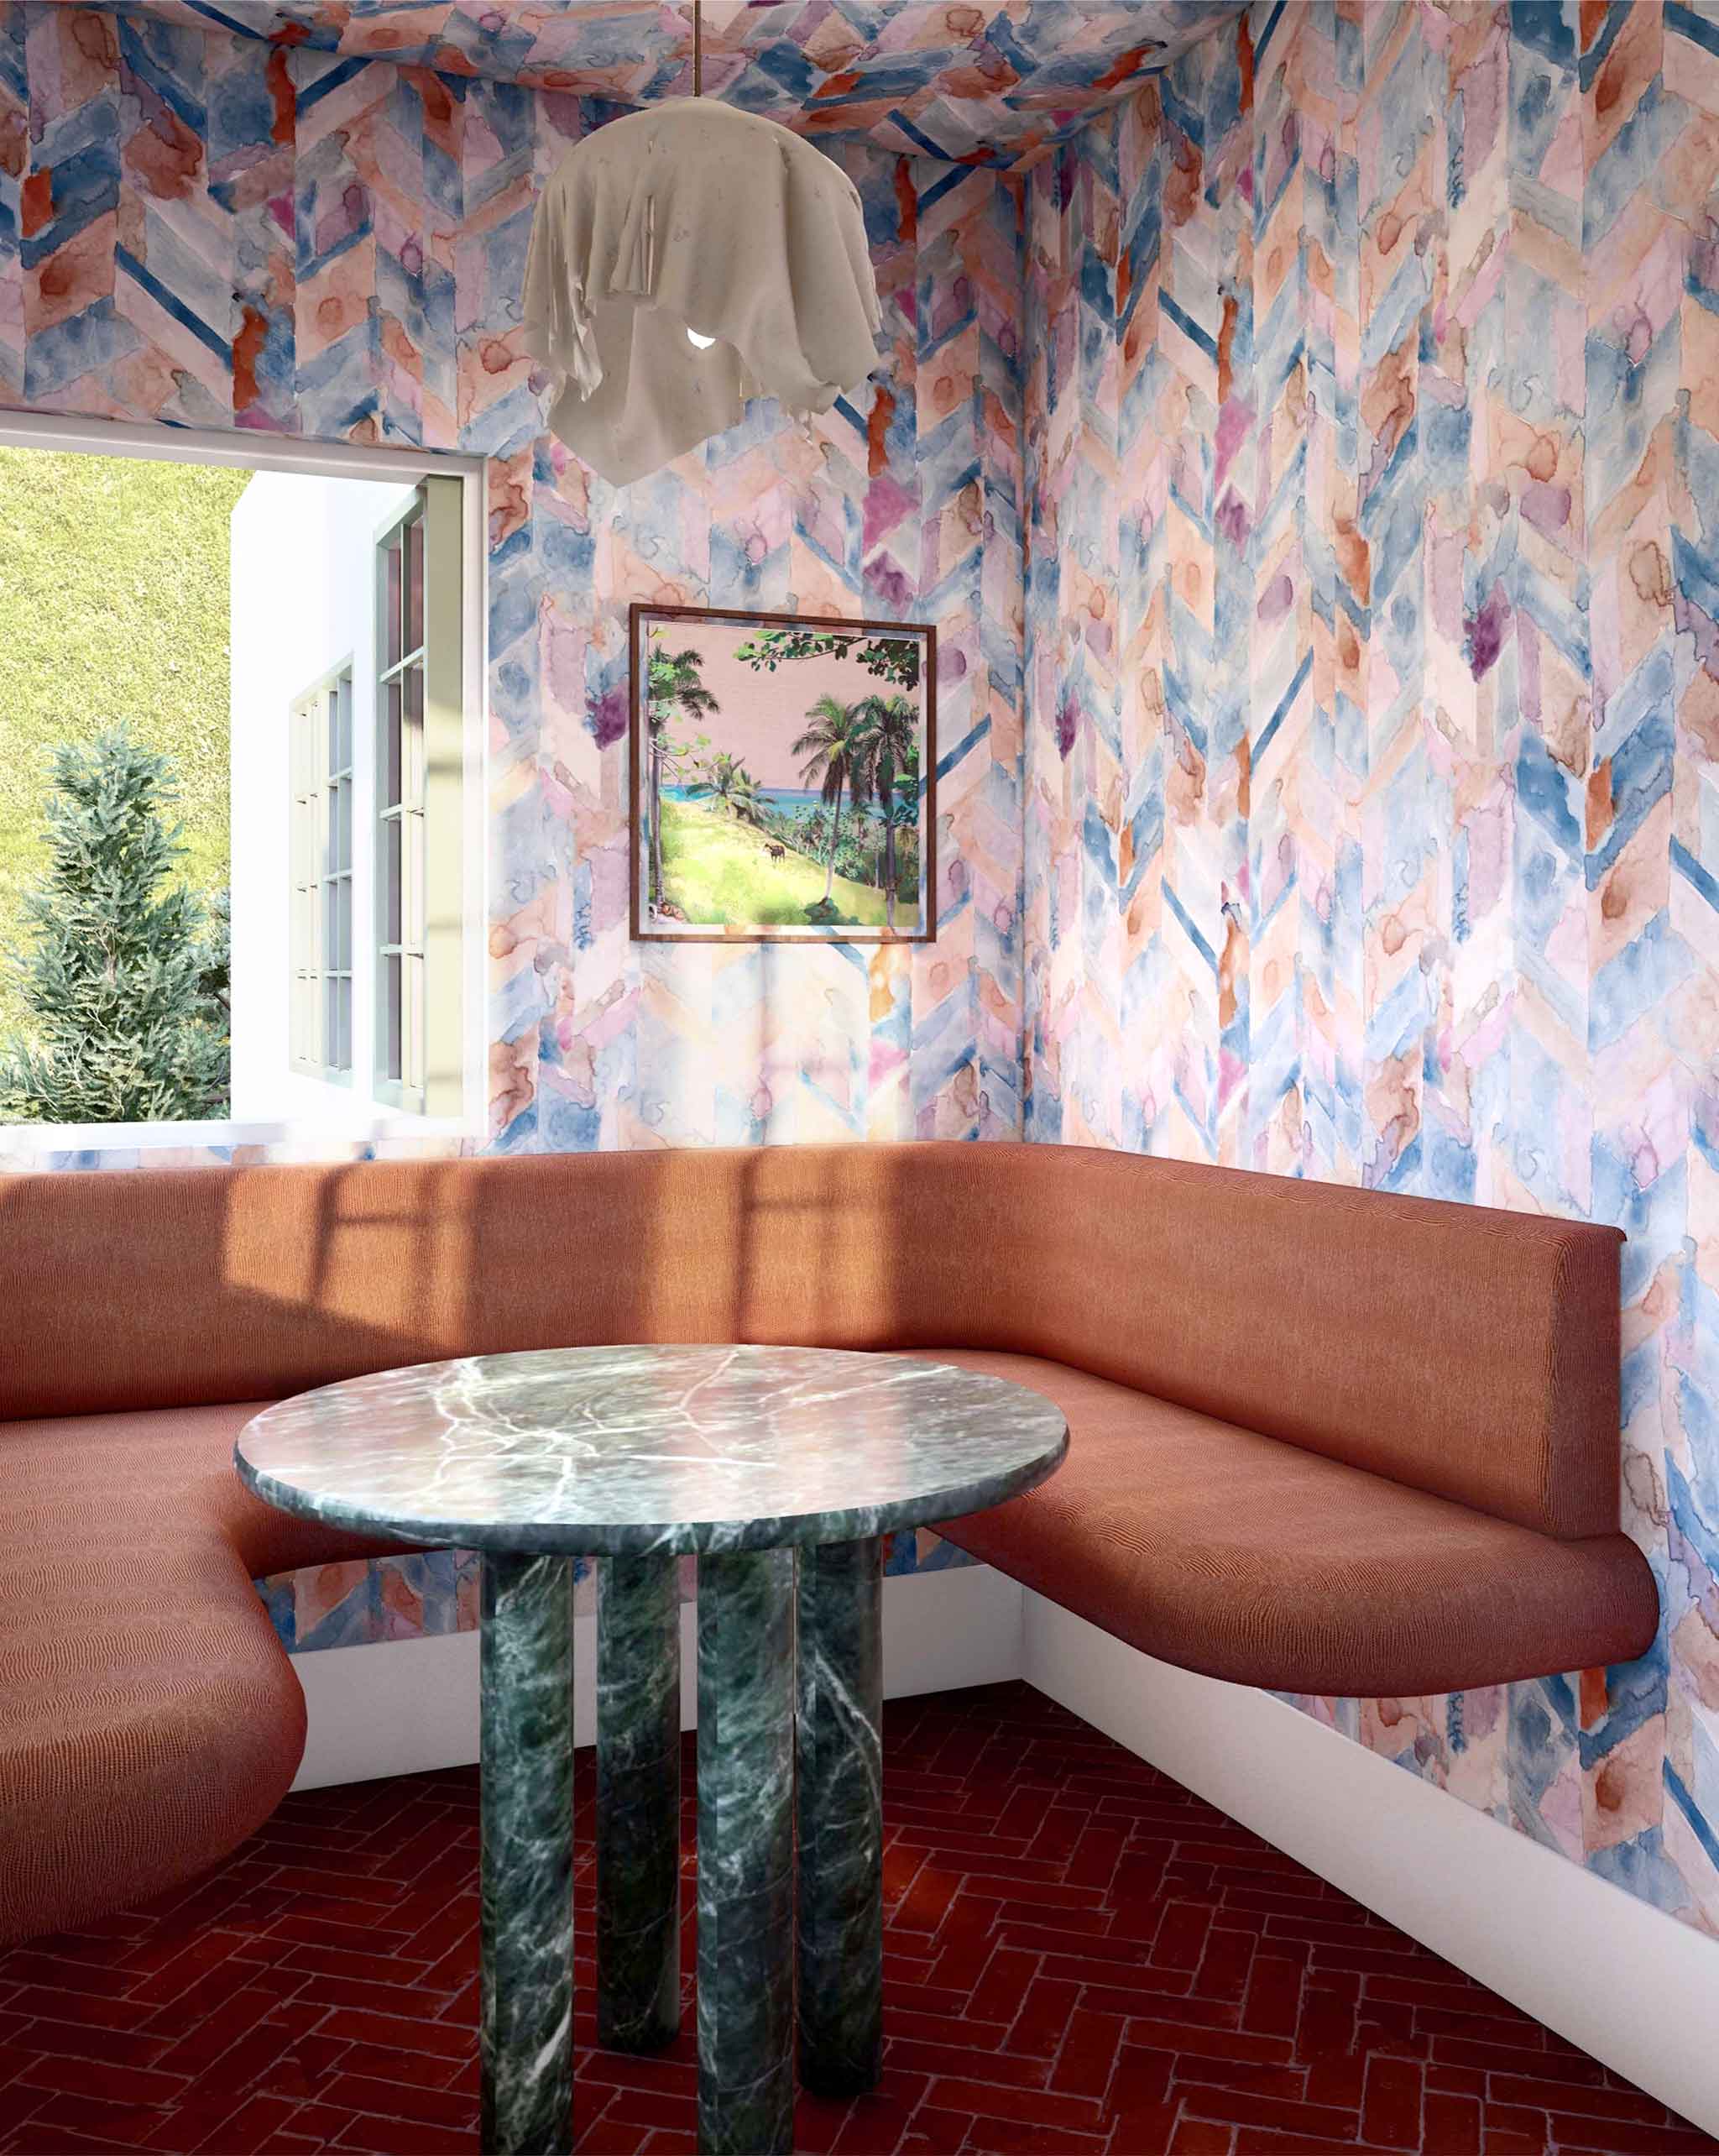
{"points": [[784, 772]]}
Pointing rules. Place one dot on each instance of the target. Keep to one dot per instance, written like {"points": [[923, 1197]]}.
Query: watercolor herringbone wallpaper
{"points": [[1358, 763], [989, 84], [1373, 802]]}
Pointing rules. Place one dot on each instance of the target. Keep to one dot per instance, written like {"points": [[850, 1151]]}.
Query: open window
{"points": [[295, 666]]}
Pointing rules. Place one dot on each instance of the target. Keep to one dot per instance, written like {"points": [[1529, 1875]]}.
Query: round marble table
{"points": [[783, 1468]]}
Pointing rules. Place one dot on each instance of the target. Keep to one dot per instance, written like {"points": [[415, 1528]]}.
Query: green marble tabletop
{"points": [[627, 1450]]}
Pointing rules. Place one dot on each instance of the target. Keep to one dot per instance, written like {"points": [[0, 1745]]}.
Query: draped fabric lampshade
{"points": [[683, 259]]}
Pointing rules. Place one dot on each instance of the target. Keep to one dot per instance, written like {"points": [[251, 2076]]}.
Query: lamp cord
{"points": [[698, 48]]}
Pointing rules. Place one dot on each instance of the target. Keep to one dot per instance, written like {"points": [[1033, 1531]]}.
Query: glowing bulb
{"points": [[703, 342]]}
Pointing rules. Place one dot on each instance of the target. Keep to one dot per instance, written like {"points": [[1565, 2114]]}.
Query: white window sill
{"points": [[23, 1146]]}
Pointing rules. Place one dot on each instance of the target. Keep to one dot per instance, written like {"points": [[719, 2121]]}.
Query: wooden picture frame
{"points": [[723, 852]]}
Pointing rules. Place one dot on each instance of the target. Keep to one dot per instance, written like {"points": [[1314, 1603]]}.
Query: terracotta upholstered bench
{"points": [[1323, 1440]]}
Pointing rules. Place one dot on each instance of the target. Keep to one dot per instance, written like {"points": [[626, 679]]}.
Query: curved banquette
{"points": [[1322, 1440]]}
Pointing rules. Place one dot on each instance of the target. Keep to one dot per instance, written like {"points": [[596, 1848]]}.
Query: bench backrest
{"points": [[1460, 1349]]}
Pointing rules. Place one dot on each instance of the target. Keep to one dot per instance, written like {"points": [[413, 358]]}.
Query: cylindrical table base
{"points": [[840, 1803], [527, 1856], [638, 1803], [746, 1854]]}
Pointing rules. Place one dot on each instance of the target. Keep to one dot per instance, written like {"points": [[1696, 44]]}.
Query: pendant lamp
{"points": [[683, 259]]}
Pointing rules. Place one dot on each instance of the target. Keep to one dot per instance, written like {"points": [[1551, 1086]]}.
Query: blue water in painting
{"points": [[790, 799]]}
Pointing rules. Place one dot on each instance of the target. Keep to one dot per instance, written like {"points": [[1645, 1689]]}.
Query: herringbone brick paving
{"points": [[1082, 1957]]}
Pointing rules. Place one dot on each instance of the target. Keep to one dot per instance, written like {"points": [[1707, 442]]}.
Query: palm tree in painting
{"points": [[734, 787], [750, 800], [837, 759], [674, 685], [889, 732]]}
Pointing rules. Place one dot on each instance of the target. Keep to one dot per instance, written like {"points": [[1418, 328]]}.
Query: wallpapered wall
{"points": [[200, 229], [1373, 800]]}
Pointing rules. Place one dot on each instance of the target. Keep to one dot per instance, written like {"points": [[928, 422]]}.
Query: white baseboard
{"points": [[411, 1705], [1637, 1989]]}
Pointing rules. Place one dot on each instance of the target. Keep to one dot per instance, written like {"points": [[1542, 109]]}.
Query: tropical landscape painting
{"points": [[783, 768]]}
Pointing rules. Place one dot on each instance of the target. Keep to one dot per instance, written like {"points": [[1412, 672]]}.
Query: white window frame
{"points": [[27, 1145]]}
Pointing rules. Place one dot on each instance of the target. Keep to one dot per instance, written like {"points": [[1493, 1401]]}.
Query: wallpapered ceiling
{"points": [[1372, 811], [991, 79]]}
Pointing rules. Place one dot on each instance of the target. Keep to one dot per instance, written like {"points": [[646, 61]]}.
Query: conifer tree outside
{"points": [[124, 983]]}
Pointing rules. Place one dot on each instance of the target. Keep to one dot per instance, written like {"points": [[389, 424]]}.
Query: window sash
{"points": [[420, 784]]}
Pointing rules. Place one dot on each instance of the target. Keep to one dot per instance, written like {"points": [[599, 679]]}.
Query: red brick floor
{"points": [[1081, 1957]]}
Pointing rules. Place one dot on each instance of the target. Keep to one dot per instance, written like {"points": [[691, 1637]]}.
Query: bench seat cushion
{"points": [[150, 1720], [1244, 1558]]}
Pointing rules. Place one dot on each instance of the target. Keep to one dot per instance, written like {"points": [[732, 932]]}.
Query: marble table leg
{"points": [[746, 1854], [527, 1858], [638, 1803], [840, 1803]]}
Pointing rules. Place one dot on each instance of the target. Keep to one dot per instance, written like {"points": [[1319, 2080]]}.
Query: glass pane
{"points": [[392, 898], [412, 1053], [414, 583], [412, 748], [391, 602], [391, 748], [412, 900], [343, 699], [340, 896], [391, 1017], [343, 825], [343, 1023]]}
